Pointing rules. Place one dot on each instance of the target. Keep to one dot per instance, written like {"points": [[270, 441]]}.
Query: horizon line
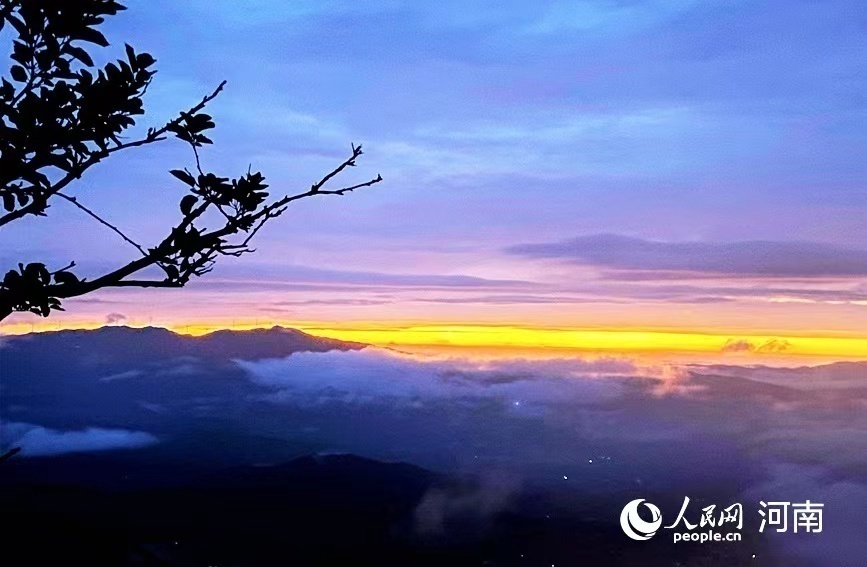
{"points": [[523, 337]]}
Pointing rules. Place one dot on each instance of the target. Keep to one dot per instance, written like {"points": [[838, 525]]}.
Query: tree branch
{"points": [[37, 205], [102, 221], [186, 251], [351, 188], [356, 151]]}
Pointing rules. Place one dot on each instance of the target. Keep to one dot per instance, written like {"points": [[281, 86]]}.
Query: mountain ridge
{"points": [[273, 342]]}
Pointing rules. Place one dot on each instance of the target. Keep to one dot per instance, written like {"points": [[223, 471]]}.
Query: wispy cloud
{"points": [[37, 441], [746, 259], [114, 318], [277, 275]]}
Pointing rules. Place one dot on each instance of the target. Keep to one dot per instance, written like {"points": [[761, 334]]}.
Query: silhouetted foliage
{"points": [[61, 115]]}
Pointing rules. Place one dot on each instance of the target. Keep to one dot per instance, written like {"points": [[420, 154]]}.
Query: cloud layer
{"points": [[593, 429], [379, 376], [37, 441], [748, 259]]}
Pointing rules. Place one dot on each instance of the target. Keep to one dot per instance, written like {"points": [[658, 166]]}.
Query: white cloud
{"points": [[37, 441], [377, 375]]}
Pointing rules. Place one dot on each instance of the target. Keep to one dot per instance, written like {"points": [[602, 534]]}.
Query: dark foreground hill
{"points": [[316, 510]]}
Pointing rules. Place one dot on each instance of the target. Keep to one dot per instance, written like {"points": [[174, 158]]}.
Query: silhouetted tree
{"points": [[60, 115]]}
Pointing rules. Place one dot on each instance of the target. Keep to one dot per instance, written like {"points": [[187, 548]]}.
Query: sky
{"points": [[649, 175]]}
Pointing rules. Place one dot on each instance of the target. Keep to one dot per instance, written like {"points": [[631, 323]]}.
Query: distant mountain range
{"points": [[185, 390], [148, 343]]}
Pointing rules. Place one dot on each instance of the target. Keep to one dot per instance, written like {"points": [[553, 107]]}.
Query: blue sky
{"points": [[502, 124]]}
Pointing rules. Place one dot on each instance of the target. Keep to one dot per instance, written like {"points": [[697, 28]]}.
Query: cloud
{"points": [[178, 367], [738, 345], [478, 502], [746, 259], [114, 318], [380, 376], [767, 347], [774, 345], [750, 291], [609, 425], [540, 417], [279, 277], [510, 299], [37, 441], [337, 301], [841, 375], [125, 375]]}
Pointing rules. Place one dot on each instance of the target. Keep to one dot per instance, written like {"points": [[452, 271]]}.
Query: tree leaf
{"points": [[187, 204], [18, 25], [18, 73], [65, 278], [80, 54], [184, 176], [8, 202], [93, 36]]}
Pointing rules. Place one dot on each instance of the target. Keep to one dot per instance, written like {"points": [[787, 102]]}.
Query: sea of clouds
{"points": [[604, 428]]}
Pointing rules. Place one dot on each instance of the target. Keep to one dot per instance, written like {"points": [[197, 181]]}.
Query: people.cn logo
{"points": [[634, 526]]}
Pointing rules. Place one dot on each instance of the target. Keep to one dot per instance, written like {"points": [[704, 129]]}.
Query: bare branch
{"points": [[351, 188], [356, 151], [65, 268], [186, 251], [205, 100], [102, 221]]}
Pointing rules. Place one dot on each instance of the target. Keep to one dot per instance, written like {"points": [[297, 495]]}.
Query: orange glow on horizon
{"points": [[511, 339]]}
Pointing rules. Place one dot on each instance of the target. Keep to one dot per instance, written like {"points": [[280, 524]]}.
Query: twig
{"points": [[169, 246], [63, 269], [356, 151], [377, 179], [101, 220]]}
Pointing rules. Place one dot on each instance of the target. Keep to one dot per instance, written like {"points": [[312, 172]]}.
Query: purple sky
{"points": [[641, 159]]}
